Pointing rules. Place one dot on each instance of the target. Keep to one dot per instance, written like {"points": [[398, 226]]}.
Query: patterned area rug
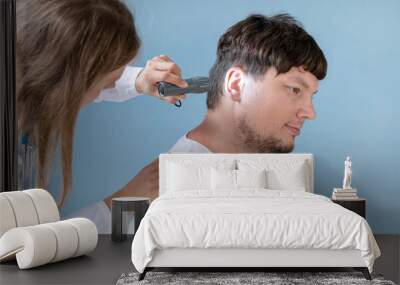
{"points": [[270, 278]]}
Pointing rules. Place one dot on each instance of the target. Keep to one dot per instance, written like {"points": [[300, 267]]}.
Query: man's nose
{"points": [[307, 111]]}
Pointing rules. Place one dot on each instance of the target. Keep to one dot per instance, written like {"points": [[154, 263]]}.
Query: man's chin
{"points": [[257, 143], [287, 149], [269, 145], [281, 147]]}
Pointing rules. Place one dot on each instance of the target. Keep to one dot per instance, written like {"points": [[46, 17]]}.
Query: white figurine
{"points": [[347, 174]]}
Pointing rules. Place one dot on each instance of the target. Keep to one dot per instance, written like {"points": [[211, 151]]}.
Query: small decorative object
{"points": [[347, 192], [347, 174], [123, 211]]}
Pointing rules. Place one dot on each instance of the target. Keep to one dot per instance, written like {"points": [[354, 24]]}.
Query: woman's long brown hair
{"points": [[63, 48]]}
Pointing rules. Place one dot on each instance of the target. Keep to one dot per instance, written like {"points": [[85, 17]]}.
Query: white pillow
{"points": [[282, 174], [181, 177], [235, 179], [223, 179], [251, 178], [185, 174]]}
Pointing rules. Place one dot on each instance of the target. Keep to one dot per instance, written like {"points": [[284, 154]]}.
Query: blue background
{"points": [[357, 105]]}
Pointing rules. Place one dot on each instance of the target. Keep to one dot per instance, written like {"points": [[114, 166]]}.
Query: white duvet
{"points": [[251, 218]]}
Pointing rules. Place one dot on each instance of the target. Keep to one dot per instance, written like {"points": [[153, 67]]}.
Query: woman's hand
{"points": [[160, 68]]}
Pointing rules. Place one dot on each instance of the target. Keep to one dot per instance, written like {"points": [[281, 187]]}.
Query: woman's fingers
{"points": [[169, 77], [171, 67], [160, 68], [162, 65], [165, 63]]}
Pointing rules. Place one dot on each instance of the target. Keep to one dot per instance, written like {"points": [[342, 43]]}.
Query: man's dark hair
{"points": [[258, 43]]}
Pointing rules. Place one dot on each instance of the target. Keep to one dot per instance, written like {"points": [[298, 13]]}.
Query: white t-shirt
{"points": [[186, 145]]}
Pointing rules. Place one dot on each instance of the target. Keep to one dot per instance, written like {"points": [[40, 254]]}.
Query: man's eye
{"points": [[294, 90]]}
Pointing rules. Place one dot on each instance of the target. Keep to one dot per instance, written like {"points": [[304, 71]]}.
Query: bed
{"points": [[247, 211]]}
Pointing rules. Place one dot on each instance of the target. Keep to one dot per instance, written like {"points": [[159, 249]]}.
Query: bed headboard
{"points": [[213, 158]]}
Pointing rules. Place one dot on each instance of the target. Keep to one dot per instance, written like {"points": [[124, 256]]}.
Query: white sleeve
{"points": [[124, 87], [98, 213]]}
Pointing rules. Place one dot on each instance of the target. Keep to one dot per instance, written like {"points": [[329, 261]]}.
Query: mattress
{"points": [[251, 219]]}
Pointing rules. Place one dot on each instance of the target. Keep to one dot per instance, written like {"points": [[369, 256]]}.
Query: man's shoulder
{"points": [[187, 145]]}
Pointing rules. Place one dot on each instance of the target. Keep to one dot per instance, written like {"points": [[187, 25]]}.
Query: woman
{"points": [[69, 52]]}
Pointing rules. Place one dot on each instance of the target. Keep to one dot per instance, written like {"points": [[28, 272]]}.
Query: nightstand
{"points": [[124, 206], [357, 206]]}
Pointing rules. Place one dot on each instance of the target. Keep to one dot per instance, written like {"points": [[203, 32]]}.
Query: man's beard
{"points": [[255, 143]]}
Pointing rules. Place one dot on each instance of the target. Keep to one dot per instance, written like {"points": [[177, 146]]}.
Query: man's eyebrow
{"points": [[299, 81]]}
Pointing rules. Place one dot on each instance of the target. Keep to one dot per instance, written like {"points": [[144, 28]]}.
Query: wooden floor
{"points": [[110, 260]]}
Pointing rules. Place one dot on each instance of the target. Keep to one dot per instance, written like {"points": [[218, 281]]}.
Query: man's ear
{"points": [[234, 83]]}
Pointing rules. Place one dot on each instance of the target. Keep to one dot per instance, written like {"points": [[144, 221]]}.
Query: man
{"points": [[262, 85]]}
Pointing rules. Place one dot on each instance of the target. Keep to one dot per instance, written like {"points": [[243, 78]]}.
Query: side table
{"points": [[137, 205], [357, 206]]}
